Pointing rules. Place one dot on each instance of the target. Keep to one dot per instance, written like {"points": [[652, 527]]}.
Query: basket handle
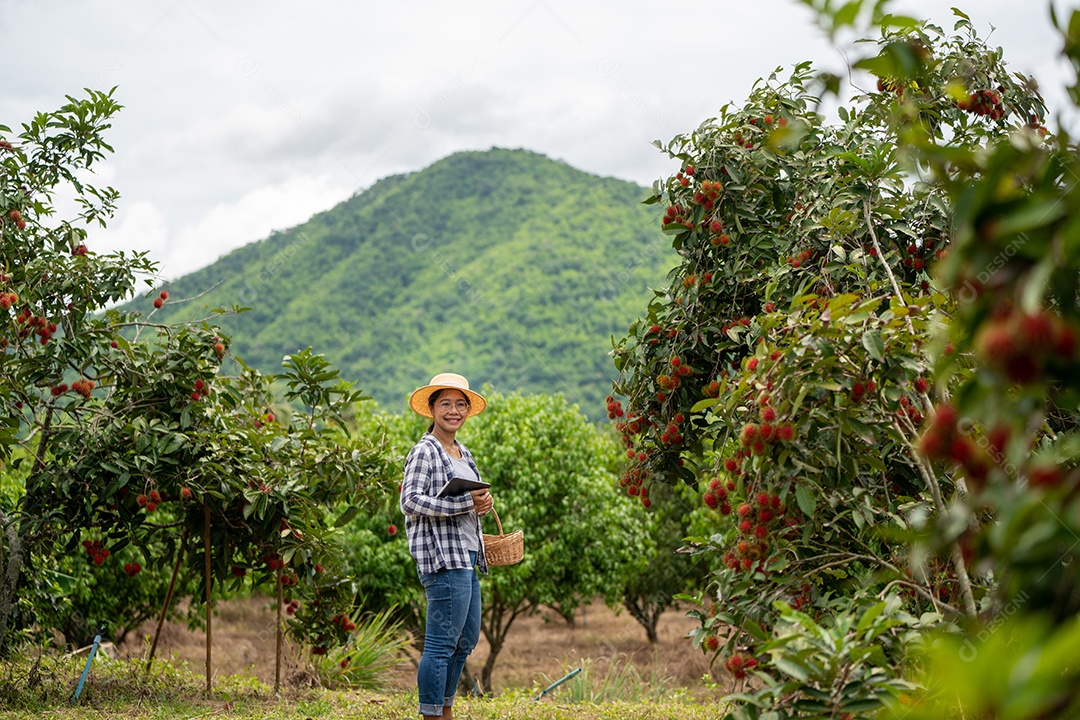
{"points": [[497, 521]]}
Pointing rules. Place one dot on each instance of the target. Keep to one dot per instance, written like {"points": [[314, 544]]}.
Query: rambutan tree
{"points": [[1004, 429], [125, 441], [791, 367]]}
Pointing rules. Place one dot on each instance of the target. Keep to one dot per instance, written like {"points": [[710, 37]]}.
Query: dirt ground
{"points": [[538, 650]]}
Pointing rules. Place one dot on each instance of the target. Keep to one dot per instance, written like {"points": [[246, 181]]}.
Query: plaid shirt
{"points": [[435, 539]]}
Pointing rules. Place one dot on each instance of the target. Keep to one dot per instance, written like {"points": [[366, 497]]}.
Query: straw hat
{"points": [[418, 401]]}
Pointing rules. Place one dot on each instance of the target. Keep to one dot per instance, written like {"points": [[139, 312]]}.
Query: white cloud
{"points": [[137, 226], [245, 117], [228, 226]]}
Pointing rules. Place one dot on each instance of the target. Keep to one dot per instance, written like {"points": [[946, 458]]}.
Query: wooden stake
{"points": [[277, 661], [209, 613], [168, 599]]}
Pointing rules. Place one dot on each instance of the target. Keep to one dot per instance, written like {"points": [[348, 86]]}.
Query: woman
{"points": [[444, 537]]}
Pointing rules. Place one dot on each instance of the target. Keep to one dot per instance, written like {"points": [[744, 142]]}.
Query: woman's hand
{"points": [[482, 501]]}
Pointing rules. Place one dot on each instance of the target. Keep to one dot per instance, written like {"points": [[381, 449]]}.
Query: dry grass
{"points": [[543, 648], [539, 649]]}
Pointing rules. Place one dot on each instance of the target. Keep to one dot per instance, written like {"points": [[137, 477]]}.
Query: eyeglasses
{"points": [[445, 405]]}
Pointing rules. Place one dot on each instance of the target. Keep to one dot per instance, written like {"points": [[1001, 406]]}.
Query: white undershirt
{"points": [[468, 523]]}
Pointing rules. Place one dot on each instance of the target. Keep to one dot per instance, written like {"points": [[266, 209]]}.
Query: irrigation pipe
{"points": [[86, 670], [556, 684]]}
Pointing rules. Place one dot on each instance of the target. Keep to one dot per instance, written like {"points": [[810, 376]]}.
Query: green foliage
{"points": [[550, 476], [375, 549], [75, 596], [1018, 667], [497, 263], [384, 571], [836, 669], [1009, 429]]}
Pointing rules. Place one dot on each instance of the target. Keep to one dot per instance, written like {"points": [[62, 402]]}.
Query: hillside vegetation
{"points": [[504, 265]]}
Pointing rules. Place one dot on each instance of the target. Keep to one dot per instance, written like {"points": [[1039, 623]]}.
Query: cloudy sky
{"points": [[244, 117]]}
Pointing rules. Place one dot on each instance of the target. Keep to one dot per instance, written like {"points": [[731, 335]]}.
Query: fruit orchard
{"points": [[138, 472], [866, 365]]}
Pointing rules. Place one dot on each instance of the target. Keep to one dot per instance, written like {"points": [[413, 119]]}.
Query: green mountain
{"points": [[505, 266]]}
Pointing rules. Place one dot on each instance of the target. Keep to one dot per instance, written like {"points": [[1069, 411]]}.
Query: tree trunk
{"points": [[646, 614], [16, 547], [489, 665], [11, 564], [495, 629], [468, 682]]}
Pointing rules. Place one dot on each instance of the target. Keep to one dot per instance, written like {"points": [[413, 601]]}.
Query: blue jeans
{"points": [[453, 627]]}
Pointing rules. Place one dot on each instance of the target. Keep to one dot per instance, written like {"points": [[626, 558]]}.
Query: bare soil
{"points": [[539, 649]]}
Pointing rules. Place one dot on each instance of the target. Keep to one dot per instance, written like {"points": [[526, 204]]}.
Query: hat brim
{"points": [[418, 401]]}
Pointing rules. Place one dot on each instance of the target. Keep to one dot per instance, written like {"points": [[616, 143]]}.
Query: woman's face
{"points": [[450, 410]]}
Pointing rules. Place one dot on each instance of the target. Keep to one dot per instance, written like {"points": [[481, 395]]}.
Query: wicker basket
{"points": [[503, 549]]}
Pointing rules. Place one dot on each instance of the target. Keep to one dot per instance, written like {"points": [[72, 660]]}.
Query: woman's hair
{"points": [[431, 404]]}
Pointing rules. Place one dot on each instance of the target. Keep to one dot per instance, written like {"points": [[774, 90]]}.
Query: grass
{"points": [[42, 686]]}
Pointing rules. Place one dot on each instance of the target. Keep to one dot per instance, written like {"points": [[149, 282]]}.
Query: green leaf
{"points": [[868, 617], [871, 340], [120, 545], [1037, 284], [704, 404], [173, 443], [847, 14], [806, 500], [755, 630], [899, 21], [799, 398], [861, 429], [862, 705], [792, 668], [346, 516], [812, 706]]}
